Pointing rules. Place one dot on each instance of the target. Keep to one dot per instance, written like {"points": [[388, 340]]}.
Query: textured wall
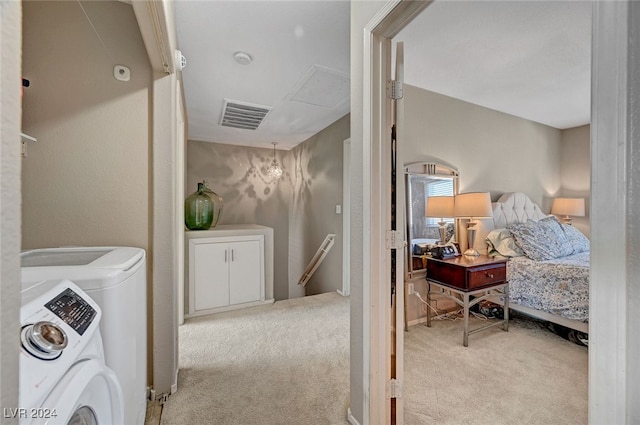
{"points": [[86, 180], [316, 184], [300, 207], [238, 174]]}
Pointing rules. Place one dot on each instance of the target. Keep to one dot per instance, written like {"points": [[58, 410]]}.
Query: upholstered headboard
{"points": [[511, 208], [515, 207]]}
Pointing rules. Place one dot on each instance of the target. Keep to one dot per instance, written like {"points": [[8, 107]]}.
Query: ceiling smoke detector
{"points": [[242, 58]]}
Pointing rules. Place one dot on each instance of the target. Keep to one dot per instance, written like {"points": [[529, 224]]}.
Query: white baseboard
{"points": [[228, 308], [350, 418], [417, 321]]}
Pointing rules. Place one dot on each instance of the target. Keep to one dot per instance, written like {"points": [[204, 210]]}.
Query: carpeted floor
{"points": [[528, 375], [288, 364], [280, 364]]}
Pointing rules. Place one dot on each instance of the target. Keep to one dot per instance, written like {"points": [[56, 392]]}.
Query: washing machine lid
{"points": [[89, 393], [90, 267], [105, 257]]}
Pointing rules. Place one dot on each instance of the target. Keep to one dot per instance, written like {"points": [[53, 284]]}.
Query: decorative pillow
{"points": [[501, 242], [578, 241], [541, 240]]}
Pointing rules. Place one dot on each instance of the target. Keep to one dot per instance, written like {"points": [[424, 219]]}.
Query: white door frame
{"points": [[377, 195], [612, 345]]}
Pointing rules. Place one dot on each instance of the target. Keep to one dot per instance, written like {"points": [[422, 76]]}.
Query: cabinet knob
{"points": [[490, 275]]}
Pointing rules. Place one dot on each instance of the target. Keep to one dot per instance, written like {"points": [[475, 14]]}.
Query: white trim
{"points": [[610, 143], [10, 162], [391, 18], [165, 245], [178, 197], [351, 419]]}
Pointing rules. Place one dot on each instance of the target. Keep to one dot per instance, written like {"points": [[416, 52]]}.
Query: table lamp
{"points": [[440, 206], [568, 207], [472, 206]]}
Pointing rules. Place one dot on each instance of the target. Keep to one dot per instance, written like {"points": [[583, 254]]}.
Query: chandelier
{"points": [[274, 171]]}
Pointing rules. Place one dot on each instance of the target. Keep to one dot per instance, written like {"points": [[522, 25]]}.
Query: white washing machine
{"points": [[63, 376], [116, 279]]}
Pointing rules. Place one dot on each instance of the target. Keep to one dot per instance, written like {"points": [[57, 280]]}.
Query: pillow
{"points": [[501, 242], [541, 240], [554, 231], [578, 241]]}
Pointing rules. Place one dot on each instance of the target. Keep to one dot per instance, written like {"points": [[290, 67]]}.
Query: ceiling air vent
{"points": [[243, 115]]}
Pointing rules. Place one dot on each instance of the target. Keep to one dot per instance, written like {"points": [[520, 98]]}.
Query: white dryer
{"points": [[115, 278], [63, 377]]}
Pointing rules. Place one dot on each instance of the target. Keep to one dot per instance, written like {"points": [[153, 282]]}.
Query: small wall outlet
{"points": [[411, 289]]}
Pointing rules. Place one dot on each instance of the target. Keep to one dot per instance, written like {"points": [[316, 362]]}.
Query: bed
{"points": [[548, 267]]}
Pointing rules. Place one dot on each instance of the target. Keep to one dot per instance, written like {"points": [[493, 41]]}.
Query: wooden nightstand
{"points": [[478, 277]]}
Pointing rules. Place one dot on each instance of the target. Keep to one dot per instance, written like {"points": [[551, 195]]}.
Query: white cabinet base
{"points": [[229, 267]]}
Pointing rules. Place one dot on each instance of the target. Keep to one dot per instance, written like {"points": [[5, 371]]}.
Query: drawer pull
{"points": [[490, 275]]}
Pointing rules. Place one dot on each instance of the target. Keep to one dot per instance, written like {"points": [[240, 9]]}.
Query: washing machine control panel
{"points": [[74, 310]]}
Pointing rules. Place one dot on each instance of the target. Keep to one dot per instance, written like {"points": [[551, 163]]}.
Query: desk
{"points": [[478, 277]]}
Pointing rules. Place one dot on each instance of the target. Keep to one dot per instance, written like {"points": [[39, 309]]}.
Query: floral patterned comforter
{"points": [[559, 286]]}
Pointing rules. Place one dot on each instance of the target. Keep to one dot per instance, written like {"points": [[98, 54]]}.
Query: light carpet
{"points": [[285, 363], [288, 364], [525, 376]]}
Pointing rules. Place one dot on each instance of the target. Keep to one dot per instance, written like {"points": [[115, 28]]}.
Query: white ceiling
{"points": [[531, 59], [288, 41], [526, 58]]}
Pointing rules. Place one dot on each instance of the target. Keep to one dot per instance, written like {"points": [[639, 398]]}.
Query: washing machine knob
{"points": [[45, 340]]}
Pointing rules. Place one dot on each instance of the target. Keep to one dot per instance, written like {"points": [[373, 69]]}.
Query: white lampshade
{"points": [[568, 206], [473, 205], [439, 206]]}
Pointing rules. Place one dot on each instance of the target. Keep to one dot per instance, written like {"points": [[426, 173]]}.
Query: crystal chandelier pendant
{"points": [[274, 171]]}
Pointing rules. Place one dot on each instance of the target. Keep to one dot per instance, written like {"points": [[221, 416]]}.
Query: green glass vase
{"points": [[217, 203], [198, 209]]}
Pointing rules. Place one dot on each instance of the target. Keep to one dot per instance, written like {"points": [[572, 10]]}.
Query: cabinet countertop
{"points": [[236, 229]]}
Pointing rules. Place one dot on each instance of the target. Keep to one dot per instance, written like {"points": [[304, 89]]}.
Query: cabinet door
{"points": [[246, 272], [211, 275]]}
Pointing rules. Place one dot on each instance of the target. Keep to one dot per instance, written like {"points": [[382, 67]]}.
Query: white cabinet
{"points": [[226, 271]]}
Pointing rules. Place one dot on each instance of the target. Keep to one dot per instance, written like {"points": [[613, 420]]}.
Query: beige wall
{"points": [[316, 184], [238, 174], [493, 151], [300, 207], [575, 157], [86, 180]]}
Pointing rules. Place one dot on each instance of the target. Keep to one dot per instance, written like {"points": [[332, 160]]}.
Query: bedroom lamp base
{"points": [[471, 239], [567, 220], [443, 232]]}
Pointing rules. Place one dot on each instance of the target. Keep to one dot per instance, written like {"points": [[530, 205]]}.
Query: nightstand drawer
{"points": [[482, 276]]}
